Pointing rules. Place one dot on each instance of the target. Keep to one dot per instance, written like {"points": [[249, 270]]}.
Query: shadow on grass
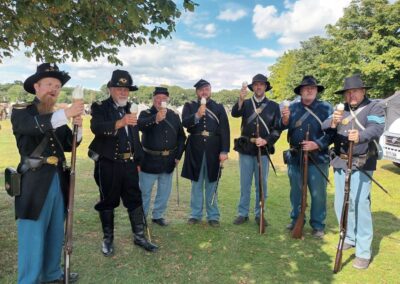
{"points": [[386, 225], [392, 168]]}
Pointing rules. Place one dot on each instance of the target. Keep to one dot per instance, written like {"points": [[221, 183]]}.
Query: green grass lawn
{"points": [[200, 254]]}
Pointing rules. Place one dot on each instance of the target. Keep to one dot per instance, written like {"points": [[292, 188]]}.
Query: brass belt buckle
{"points": [[253, 140], [165, 153], [52, 160], [126, 156], [205, 133]]}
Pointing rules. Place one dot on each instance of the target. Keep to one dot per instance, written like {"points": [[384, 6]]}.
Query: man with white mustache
{"points": [[117, 153]]}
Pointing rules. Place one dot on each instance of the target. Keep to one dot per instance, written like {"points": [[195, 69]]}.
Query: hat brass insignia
{"points": [[123, 81]]}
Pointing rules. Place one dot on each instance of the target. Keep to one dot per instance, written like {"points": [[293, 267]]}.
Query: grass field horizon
{"points": [[201, 254]]}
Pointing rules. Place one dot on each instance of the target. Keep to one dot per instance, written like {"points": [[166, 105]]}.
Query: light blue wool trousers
{"points": [[197, 196], [248, 170], [359, 225], [40, 241], [164, 186], [317, 188]]}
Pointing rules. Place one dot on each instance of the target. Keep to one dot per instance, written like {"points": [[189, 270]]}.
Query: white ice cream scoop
{"points": [[244, 84], [163, 104], [203, 101], [340, 107], [286, 103], [77, 93], [134, 108]]}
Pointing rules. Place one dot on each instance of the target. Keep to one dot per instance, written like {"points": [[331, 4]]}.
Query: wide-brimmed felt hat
{"points": [[45, 70], [201, 83], [353, 82], [121, 79], [160, 90], [260, 78], [308, 80]]}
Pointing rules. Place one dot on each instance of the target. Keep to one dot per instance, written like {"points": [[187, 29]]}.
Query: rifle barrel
{"points": [[70, 208], [260, 184], [345, 210], [297, 232]]}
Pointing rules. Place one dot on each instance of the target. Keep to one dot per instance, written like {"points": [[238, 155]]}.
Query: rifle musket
{"points": [[373, 180]]}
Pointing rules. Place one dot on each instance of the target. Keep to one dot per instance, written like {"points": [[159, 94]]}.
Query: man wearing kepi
{"points": [[163, 141], [300, 117], [42, 138], [362, 121], [256, 110], [207, 148], [117, 152]]}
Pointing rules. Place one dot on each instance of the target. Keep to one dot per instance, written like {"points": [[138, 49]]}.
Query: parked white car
{"points": [[390, 140]]}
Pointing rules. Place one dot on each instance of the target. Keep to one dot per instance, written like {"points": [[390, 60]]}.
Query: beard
{"points": [[121, 102], [259, 94], [46, 104]]}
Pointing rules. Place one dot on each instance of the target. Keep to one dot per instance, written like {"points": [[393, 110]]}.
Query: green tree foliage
{"points": [[55, 31], [283, 76], [365, 40]]}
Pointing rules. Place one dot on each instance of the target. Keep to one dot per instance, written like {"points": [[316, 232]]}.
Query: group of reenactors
{"points": [[127, 165]]}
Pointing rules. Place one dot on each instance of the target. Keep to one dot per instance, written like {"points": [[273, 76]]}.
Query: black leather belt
{"points": [[159, 153], [205, 133], [346, 157], [32, 163], [125, 156]]}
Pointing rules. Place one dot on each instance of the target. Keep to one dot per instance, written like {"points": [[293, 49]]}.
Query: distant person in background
{"points": [[163, 141], [42, 136], [308, 115], [117, 152], [256, 110], [207, 148], [362, 121]]}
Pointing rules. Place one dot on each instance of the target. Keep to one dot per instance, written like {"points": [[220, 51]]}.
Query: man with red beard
{"points": [[117, 153], [42, 138]]}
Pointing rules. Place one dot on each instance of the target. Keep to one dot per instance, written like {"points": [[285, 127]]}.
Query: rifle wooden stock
{"points": [[70, 209], [297, 231], [345, 210], [260, 185]]}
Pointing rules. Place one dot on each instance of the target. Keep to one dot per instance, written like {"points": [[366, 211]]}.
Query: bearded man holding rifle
{"points": [[361, 122], [42, 138], [308, 114], [257, 110]]}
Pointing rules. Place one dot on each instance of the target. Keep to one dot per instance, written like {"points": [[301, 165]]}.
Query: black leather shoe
{"points": [[160, 222], [257, 219], [107, 223], [138, 226], [193, 221], [143, 243], [240, 220], [73, 277], [213, 223], [290, 226], [107, 247]]}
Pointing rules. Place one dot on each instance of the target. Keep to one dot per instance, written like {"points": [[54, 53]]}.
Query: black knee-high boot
{"points": [[138, 223], [107, 222]]}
